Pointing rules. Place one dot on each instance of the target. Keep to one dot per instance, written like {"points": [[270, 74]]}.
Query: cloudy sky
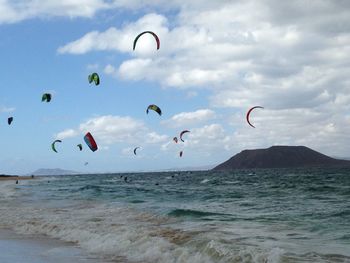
{"points": [[216, 60]]}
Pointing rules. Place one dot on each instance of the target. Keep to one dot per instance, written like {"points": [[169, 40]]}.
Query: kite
{"points": [[9, 120], [155, 108], [53, 145], [181, 153], [248, 113], [80, 146], [46, 97], [145, 32], [94, 77], [182, 133], [90, 141], [175, 139], [135, 150]]}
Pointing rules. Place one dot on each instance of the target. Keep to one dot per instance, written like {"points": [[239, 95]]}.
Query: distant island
{"points": [[280, 157], [54, 171]]}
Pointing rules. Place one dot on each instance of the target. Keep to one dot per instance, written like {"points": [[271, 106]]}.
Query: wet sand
{"points": [[39, 249], [15, 178]]}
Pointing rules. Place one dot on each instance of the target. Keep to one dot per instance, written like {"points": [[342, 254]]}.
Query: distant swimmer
{"points": [[157, 184], [121, 176]]}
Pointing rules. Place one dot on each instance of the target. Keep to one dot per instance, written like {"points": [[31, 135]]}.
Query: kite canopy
{"points": [[53, 145], [46, 97], [147, 32], [136, 149], [90, 141], [248, 113], [80, 146], [181, 153], [182, 133], [9, 120], [94, 77], [175, 139], [155, 108]]}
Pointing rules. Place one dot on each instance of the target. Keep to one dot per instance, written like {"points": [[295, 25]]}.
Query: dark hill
{"points": [[280, 157]]}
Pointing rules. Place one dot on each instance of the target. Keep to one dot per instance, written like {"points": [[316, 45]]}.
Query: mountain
{"points": [[280, 157], [55, 171]]}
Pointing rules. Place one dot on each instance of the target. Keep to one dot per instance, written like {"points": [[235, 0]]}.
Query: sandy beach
{"points": [[9, 178]]}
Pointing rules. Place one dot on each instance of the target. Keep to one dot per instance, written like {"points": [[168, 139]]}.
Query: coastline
{"points": [[14, 177], [39, 249]]}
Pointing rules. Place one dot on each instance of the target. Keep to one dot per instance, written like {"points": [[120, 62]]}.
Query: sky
{"points": [[216, 60]]}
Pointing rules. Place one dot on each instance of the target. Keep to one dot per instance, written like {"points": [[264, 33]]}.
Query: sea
{"points": [[267, 215]]}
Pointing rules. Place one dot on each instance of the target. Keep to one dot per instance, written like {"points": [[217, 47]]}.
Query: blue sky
{"points": [[214, 63]]}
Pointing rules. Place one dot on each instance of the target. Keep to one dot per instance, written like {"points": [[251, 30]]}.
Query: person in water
{"points": [[126, 179]]}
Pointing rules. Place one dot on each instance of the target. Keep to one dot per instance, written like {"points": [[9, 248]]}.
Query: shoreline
{"points": [[15, 178], [16, 247]]}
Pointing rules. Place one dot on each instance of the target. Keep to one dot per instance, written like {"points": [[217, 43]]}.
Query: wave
{"points": [[192, 213], [91, 187]]}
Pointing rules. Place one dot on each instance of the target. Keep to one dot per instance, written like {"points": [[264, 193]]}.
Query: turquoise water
{"points": [[243, 216]]}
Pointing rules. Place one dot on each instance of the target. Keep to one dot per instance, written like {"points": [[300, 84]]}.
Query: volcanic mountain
{"points": [[280, 157]]}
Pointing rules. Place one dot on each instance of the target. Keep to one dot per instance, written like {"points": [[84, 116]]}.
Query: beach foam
{"points": [[175, 222]]}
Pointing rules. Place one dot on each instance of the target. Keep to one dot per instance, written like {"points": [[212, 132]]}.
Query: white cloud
{"points": [[113, 129], [15, 11], [190, 118], [153, 137], [191, 94], [110, 129], [120, 39], [69, 133], [206, 140], [110, 70], [7, 109], [289, 57]]}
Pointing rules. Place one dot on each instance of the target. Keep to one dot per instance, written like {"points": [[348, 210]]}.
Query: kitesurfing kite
{"points": [[86, 163], [9, 120], [147, 32], [94, 77], [248, 113], [53, 145], [80, 146], [181, 153], [155, 108], [46, 97], [175, 139], [90, 141], [135, 150], [182, 133]]}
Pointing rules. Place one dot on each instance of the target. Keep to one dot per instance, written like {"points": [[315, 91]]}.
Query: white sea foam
{"points": [[202, 230], [116, 232]]}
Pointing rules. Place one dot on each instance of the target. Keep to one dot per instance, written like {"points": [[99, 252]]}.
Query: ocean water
{"points": [[282, 215]]}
